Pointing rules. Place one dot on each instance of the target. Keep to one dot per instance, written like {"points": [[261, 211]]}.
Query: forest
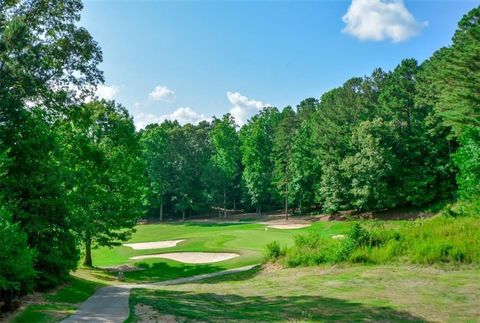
{"points": [[76, 174]]}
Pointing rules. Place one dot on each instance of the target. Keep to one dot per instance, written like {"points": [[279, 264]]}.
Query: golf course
{"points": [[239, 161], [265, 291]]}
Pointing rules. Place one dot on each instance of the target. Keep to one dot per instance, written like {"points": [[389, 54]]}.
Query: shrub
{"points": [[273, 251], [442, 239], [309, 250], [16, 264]]}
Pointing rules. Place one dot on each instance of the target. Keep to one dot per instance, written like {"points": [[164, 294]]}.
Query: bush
{"points": [[16, 264], [273, 251], [310, 249], [442, 239], [467, 159]]}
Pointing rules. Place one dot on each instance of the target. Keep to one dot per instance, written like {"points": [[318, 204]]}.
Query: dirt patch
{"points": [[289, 226], [191, 257], [154, 244]]}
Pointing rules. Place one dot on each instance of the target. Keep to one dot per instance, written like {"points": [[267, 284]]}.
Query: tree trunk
{"points": [[286, 201], [300, 207], [224, 202], [234, 205], [161, 212], [286, 192], [183, 215], [88, 253]]}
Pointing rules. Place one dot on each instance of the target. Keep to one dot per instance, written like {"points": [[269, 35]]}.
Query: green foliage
{"points": [[256, 146], [371, 166], [458, 76], [17, 259], [226, 157], [273, 251], [157, 151], [48, 63], [107, 193], [467, 159], [440, 239]]}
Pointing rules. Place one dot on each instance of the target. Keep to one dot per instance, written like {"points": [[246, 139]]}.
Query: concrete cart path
{"points": [[110, 304]]}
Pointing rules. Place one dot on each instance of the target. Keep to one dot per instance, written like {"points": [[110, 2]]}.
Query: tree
{"points": [[157, 153], [256, 139], [306, 108], [340, 111], [34, 188], [184, 169], [282, 152], [458, 79], [226, 154], [304, 166], [16, 272], [467, 159], [109, 185], [370, 166], [46, 62]]}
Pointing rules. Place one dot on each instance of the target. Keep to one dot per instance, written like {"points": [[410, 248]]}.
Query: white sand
{"points": [[153, 245], [191, 257], [288, 226]]}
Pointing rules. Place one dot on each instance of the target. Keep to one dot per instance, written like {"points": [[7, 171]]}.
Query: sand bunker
{"points": [[288, 226], [153, 245], [191, 257]]}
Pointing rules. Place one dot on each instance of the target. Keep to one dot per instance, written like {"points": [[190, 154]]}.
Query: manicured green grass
{"points": [[56, 305], [247, 240], [371, 293]]}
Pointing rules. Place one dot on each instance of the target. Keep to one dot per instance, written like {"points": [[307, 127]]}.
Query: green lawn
{"points": [[341, 293], [369, 293], [58, 304], [248, 240]]}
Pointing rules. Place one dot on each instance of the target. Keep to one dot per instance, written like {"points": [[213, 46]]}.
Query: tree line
{"points": [[74, 173], [401, 138]]}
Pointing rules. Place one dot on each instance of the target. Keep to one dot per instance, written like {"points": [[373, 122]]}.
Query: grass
{"points": [[371, 293], [247, 240], [438, 240], [345, 292], [53, 306]]}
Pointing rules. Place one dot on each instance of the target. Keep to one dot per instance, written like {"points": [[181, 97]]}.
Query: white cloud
{"points": [[182, 115], [243, 108], [381, 19], [107, 92], [162, 93]]}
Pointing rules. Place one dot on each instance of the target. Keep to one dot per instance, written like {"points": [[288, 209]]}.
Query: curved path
{"points": [[110, 304]]}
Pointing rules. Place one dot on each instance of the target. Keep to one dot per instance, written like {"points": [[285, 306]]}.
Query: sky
{"points": [[191, 60]]}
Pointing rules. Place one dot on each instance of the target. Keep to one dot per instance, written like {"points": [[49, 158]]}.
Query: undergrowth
{"points": [[441, 239]]}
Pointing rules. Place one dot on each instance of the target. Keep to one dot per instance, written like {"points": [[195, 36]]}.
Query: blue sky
{"points": [[190, 60]]}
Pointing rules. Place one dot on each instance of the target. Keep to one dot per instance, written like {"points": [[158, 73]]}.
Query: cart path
{"points": [[110, 304]]}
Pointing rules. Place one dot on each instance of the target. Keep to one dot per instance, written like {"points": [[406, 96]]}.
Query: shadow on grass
{"points": [[220, 307], [160, 271], [211, 224], [232, 277]]}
